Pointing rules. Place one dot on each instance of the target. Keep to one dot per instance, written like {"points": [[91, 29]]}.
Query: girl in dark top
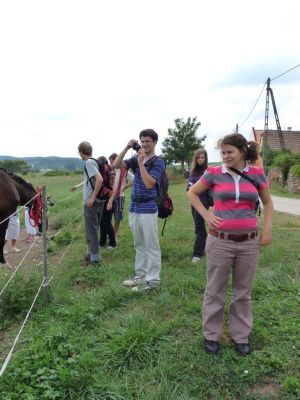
{"points": [[199, 165]]}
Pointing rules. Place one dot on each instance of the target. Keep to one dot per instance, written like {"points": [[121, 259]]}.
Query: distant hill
{"points": [[38, 163]]}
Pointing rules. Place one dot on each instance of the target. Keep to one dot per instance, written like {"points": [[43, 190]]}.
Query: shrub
{"points": [[284, 161], [295, 170], [57, 172]]}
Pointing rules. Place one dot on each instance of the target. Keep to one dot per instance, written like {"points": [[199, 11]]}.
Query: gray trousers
{"points": [[144, 228], [223, 257], [92, 219]]}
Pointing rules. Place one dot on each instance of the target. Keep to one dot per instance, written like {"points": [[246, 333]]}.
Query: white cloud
{"points": [[102, 71]]}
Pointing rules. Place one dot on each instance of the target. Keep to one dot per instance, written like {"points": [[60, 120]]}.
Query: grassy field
{"points": [[97, 340], [278, 190]]}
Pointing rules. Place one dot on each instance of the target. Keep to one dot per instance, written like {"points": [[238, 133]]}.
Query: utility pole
{"points": [[266, 127]]}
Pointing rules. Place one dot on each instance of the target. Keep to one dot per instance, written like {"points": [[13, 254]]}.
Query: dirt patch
{"points": [[34, 256], [265, 390]]}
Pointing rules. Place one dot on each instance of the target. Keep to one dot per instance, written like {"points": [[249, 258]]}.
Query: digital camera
{"points": [[136, 146]]}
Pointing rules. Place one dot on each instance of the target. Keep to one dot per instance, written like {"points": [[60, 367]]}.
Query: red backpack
{"points": [[108, 176]]}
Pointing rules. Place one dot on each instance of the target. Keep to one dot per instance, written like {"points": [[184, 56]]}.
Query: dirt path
{"points": [[287, 205], [33, 258]]}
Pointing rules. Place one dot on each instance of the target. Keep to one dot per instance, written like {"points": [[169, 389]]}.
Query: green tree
{"points": [[182, 141], [15, 166]]}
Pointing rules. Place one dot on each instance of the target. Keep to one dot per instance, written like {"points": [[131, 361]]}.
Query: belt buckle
{"points": [[223, 235], [252, 235]]}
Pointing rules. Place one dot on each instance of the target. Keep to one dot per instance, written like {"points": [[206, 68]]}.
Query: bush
{"points": [[295, 170], [284, 161], [57, 172]]}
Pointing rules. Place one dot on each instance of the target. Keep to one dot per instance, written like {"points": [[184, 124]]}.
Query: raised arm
{"points": [[118, 163]]}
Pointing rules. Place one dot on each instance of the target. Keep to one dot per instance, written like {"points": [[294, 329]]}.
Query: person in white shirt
{"points": [[29, 225], [123, 179], [12, 233]]}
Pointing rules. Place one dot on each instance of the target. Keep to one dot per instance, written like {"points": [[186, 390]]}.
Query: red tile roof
{"points": [[291, 139]]}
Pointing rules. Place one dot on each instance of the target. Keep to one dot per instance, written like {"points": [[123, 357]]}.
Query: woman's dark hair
{"points": [[197, 169], [239, 141], [149, 132], [103, 160]]}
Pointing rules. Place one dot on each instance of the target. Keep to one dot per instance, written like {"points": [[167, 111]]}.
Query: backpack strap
{"points": [[245, 176], [151, 164], [90, 179], [258, 208]]}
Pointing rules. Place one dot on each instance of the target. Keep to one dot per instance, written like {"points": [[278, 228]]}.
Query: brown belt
{"points": [[231, 236]]}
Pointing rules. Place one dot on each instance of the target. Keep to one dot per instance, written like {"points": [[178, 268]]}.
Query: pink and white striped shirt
{"points": [[234, 196]]}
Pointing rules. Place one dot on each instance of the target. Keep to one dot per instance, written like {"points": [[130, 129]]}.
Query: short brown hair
{"points": [[151, 133], [85, 148], [113, 156]]}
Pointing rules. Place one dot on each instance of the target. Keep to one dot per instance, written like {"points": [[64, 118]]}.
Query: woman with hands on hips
{"points": [[233, 243]]}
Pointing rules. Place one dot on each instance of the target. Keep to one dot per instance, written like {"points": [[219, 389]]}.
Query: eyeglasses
{"points": [[146, 141]]}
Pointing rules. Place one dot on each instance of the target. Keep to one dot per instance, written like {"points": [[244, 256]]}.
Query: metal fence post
{"points": [[44, 236]]}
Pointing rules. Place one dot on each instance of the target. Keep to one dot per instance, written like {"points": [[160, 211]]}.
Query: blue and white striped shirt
{"points": [[143, 200]]}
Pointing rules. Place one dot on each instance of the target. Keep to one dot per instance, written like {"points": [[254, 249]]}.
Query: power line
{"points": [[276, 77], [296, 66], [248, 116]]}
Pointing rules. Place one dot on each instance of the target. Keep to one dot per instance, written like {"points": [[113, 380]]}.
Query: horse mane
{"points": [[18, 179]]}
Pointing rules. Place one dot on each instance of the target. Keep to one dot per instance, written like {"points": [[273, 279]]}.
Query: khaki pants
{"points": [[144, 228], [223, 257]]}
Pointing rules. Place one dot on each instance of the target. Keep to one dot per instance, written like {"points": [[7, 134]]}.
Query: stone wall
{"points": [[293, 183], [275, 175]]}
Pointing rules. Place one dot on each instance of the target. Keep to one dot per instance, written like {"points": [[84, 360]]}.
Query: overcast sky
{"points": [[102, 71]]}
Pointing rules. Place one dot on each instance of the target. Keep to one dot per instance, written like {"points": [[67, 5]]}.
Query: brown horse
{"points": [[14, 191]]}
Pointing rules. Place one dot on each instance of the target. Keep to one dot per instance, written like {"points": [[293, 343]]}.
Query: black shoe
{"points": [[243, 348], [87, 258], [211, 346], [92, 264]]}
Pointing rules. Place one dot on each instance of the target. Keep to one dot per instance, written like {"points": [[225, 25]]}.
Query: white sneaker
{"points": [[134, 281], [15, 250], [110, 248], [145, 287], [195, 259]]}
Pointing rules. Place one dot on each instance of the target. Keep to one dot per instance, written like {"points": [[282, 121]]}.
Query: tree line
{"points": [[15, 166], [178, 147]]}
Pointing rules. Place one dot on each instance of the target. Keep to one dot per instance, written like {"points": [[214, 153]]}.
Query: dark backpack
{"points": [[108, 176], [164, 201]]}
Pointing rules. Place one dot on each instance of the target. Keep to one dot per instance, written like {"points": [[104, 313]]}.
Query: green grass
{"points": [[97, 340], [278, 190]]}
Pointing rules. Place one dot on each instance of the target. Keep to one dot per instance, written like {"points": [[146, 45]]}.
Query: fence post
{"points": [[44, 236]]}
